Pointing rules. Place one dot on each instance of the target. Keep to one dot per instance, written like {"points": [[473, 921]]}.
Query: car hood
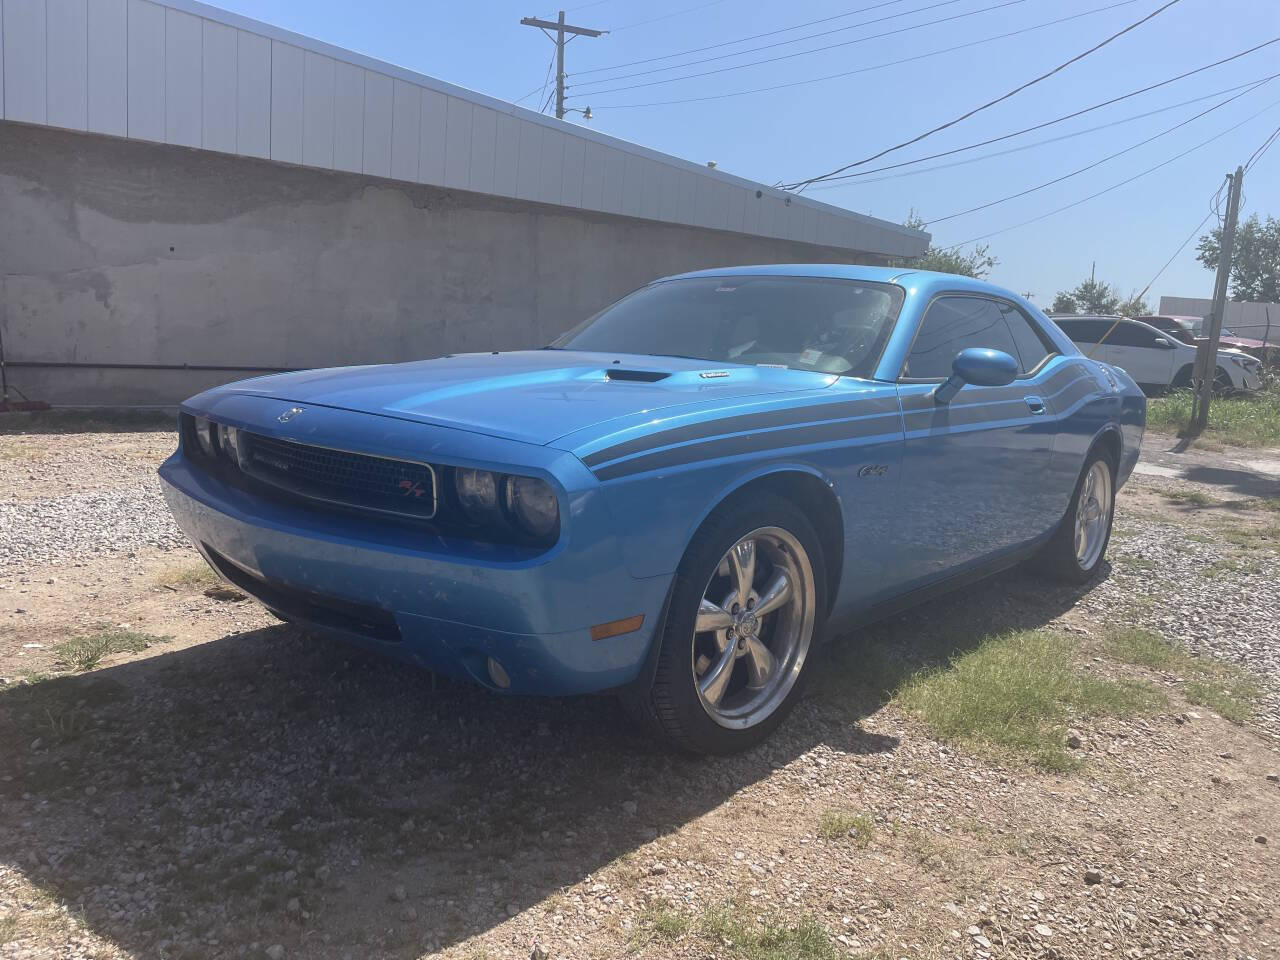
{"points": [[535, 396]]}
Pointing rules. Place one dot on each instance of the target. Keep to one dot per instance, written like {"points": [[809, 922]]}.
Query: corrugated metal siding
{"points": [[184, 73]]}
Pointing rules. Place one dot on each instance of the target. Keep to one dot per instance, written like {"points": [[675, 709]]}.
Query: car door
{"points": [[973, 469], [1143, 352]]}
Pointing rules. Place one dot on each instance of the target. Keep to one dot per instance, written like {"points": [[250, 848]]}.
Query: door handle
{"points": [[1035, 405]]}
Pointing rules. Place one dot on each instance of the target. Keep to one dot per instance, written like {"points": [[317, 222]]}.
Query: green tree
{"points": [[1255, 262], [1091, 296], [976, 262]]}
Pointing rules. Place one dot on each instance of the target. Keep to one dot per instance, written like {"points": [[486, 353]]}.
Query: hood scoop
{"points": [[636, 376]]}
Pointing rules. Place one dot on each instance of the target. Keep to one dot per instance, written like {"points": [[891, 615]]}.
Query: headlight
{"points": [[533, 504], [229, 440], [477, 493], [204, 435]]}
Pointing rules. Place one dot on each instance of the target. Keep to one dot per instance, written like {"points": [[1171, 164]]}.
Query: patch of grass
{"points": [[1265, 538], [837, 824], [1015, 692], [8, 929], [1224, 688], [1246, 420], [1229, 694], [195, 575], [741, 936], [1266, 503], [17, 451], [659, 924], [85, 653], [1188, 496]]}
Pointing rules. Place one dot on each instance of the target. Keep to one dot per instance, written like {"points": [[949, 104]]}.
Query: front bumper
{"points": [[418, 602]]}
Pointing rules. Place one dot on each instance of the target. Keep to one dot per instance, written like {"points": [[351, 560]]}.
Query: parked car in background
{"points": [[1192, 329], [678, 498], [1154, 358]]}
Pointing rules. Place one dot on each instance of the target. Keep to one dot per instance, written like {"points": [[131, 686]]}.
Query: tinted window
{"points": [[1084, 331], [1032, 348], [953, 324], [832, 326], [1133, 335]]}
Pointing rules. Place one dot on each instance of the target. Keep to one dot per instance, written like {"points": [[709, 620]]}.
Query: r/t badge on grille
{"points": [[290, 414]]}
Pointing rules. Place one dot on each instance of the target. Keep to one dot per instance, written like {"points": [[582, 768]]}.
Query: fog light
{"points": [[498, 675]]}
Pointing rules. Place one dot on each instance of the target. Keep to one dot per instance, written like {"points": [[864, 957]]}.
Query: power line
{"points": [[1182, 246], [1068, 116], [783, 43], [1109, 157], [668, 16], [1261, 151], [878, 66], [991, 103], [836, 184], [729, 43], [799, 53], [1122, 183]]}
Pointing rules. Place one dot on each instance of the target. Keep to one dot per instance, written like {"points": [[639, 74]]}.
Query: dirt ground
{"points": [[241, 789]]}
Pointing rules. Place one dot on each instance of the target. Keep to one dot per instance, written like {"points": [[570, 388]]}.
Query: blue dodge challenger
{"points": [[676, 499]]}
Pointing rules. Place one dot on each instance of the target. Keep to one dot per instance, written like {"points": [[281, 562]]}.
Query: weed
{"points": [[85, 653], [659, 924], [1224, 688], [8, 929], [1247, 420], [1188, 496], [804, 939], [1015, 691], [837, 824], [196, 575]]}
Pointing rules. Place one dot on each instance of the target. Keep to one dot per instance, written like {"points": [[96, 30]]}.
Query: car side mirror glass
{"points": [[979, 366]]}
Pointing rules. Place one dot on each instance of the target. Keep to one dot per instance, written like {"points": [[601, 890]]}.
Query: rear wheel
{"points": [[746, 605], [1077, 548]]}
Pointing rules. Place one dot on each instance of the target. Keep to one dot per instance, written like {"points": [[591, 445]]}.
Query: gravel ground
{"points": [[80, 526], [1203, 591], [244, 790]]}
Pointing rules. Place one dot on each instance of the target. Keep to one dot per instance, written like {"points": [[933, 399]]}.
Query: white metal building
{"points": [[180, 74]]}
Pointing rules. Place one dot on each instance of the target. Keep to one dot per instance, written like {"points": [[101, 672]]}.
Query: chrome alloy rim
{"points": [[753, 628], [1093, 512]]}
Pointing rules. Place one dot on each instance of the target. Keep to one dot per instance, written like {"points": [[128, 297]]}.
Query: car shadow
{"points": [[1246, 483], [271, 787]]}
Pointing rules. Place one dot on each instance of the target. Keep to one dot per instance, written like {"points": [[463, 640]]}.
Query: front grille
{"points": [[355, 480]]}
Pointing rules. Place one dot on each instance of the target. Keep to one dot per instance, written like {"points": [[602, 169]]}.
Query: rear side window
{"points": [[1084, 331], [1032, 346], [953, 324], [1132, 335]]}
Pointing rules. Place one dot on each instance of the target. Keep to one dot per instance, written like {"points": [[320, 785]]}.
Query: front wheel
{"points": [[746, 604], [1077, 548]]}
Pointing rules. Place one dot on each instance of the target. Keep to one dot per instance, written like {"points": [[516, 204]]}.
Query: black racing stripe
{"points": [[1060, 379], [752, 443], [941, 417], [765, 420]]}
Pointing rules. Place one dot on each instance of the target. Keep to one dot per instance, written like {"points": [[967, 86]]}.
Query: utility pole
{"points": [[561, 28], [1207, 355]]}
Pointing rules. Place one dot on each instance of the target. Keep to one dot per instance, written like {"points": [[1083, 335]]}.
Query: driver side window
{"points": [[950, 325]]}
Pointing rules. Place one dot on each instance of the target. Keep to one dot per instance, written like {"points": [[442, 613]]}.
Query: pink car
{"points": [[1191, 329]]}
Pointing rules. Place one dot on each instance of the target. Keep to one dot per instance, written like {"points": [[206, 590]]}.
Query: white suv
{"points": [[1153, 358]]}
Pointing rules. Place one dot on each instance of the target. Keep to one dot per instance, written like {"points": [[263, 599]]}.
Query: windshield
{"points": [[808, 323]]}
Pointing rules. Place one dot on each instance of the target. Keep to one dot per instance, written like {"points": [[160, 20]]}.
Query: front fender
{"points": [[660, 512]]}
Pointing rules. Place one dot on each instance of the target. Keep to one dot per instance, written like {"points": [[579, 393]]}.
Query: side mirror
{"points": [[979, 366]]}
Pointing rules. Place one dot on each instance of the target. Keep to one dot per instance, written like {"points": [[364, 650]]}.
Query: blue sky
{"points": [[801, 131]]}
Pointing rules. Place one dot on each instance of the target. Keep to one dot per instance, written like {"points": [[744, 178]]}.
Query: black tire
{"points": [[1182, 379], [1058, 559], [672, 707]]}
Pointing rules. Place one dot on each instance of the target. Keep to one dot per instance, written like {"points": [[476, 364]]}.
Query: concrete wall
{"points": [[118, 252], [1261, 321]]}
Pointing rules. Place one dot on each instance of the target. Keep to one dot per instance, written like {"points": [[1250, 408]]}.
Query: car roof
{"points": [[903, 276]]}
